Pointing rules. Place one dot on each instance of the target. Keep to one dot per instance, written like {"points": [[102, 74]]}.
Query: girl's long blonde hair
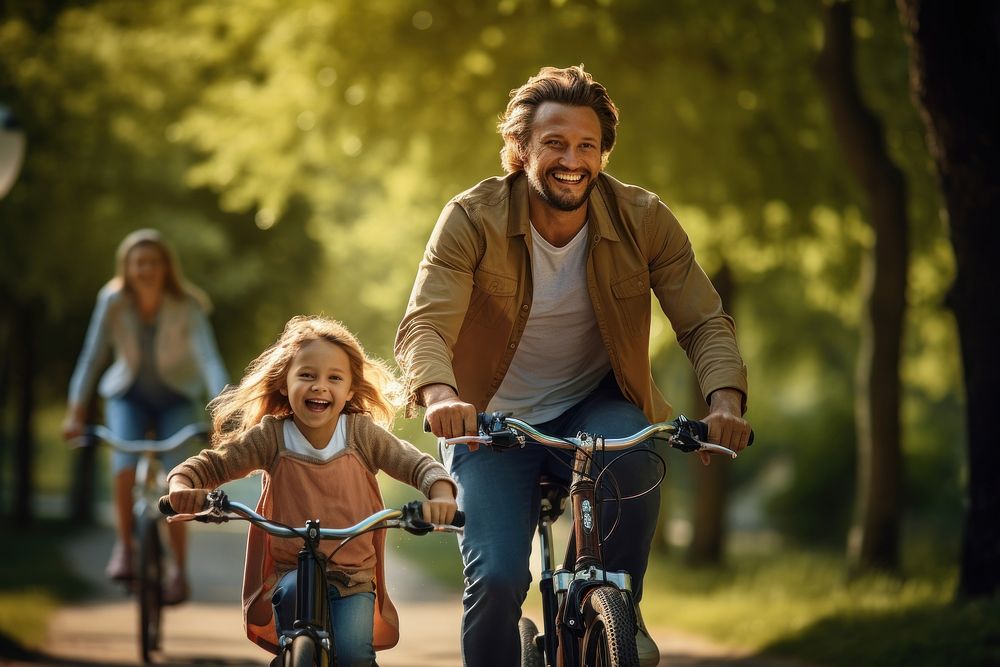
{"points": [[377, 392]]}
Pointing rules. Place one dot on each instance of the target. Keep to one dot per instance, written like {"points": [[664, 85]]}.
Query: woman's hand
{"points": [[72, 426], [441, 506]]}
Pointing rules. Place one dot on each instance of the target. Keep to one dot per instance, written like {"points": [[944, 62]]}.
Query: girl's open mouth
{"points": [[317, 404]]}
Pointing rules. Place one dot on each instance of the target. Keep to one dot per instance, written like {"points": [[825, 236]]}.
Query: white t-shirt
{"points": [[561, 357], [296, 442]]}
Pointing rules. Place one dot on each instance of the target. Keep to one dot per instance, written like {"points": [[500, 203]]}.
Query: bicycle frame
{"points": [[565, 590], [150, 482], [311, 592]]}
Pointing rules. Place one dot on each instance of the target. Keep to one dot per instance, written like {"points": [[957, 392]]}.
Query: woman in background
{"points": [[165, 362]]}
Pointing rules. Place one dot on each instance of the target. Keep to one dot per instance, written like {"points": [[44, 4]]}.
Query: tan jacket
{"points": [[339, 492], [472, 294]]}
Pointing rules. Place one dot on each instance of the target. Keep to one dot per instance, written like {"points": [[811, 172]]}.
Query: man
{"points": [[533, 298]]}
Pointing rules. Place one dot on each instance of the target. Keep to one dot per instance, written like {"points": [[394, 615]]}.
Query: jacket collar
{"points": [[602, 223]]}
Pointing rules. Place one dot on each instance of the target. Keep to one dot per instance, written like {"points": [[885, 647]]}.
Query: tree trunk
{"points": [[24, 377], [711, 483], [874, 539], [955, 59]]}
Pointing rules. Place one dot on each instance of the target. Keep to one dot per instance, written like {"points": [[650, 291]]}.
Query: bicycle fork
{"points": [[564, 591]]}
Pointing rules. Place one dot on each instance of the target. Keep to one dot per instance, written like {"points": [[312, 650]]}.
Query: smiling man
{"points": [[533, 297]]}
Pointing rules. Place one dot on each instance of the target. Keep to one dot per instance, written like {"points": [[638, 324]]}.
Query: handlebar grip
{"points": [[459, 520], [164, 506]]}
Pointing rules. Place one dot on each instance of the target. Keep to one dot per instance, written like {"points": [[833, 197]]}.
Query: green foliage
{"points": [[297, 154], [35, 579]]}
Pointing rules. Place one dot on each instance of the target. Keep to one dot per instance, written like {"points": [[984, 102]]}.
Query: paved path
{"points": [[207, 631]]}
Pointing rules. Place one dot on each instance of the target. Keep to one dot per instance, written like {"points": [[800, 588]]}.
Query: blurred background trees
{"points": [[297, 153]]}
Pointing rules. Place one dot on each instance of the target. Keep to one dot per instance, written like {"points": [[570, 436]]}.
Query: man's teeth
{"points": [[568, 178]]}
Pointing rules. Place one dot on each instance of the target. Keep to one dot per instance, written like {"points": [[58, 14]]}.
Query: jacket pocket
{"points": [[492, 297], [632, 300]]}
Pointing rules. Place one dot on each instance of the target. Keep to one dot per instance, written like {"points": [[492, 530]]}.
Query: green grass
{"points": [[801, 605], [34, 581]]}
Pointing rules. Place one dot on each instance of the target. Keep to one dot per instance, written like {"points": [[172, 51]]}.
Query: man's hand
{"points": [[447, 415], [726, 425]]}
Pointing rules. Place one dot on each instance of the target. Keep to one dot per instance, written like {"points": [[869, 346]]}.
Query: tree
{"points": [[955, 48], [874, 538]]}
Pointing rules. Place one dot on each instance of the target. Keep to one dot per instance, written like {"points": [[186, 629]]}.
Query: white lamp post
{"points": [[11, 150]]}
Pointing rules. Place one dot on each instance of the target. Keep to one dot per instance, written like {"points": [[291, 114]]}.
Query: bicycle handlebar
{"points": [[220, 510], [499, 430], [141, 446]]}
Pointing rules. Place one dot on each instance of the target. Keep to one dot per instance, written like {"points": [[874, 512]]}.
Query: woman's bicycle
{"points": [[149, 551], [589, 614], [308, 642]]}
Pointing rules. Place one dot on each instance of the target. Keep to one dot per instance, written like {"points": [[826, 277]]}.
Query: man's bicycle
{"points": [[589, 614], [308, 642], [147, 522]]}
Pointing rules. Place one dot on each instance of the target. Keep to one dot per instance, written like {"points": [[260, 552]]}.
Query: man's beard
{"points": [[556, 201]]}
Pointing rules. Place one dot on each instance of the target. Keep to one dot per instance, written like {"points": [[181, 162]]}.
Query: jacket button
{"points": [[511, 346]]}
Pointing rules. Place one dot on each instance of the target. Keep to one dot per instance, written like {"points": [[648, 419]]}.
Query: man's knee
{"points": [[499, 586]]}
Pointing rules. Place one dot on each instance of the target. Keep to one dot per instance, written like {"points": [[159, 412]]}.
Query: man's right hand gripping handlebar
{"points": [[447, 415]]}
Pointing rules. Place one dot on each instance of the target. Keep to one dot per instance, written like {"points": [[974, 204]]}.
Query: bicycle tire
{"points": [[302, 653], [149, 587], [609, 630], [531, 656]]}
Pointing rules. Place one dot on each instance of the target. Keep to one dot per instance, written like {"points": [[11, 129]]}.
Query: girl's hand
{"points": [[441, 506], [185, 500]]}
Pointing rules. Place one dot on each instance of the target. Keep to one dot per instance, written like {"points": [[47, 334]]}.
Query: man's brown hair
{"points": [[571, 86]]}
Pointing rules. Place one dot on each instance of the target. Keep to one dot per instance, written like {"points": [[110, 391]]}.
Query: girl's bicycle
{"points": [[147, 524], [309, 642], [589, 614]]}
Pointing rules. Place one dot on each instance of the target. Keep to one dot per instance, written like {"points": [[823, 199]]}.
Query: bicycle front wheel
{"points": [[150, 587], [609, 630], [531, 656], [302, 653]]}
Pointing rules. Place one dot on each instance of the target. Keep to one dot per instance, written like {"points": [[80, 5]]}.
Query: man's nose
{"points": [[570, 158]]}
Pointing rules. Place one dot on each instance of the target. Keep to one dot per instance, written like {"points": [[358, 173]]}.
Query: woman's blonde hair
{"points": [[377, 392], [174, 282]]}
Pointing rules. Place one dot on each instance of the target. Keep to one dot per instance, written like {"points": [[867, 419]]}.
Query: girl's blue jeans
{"points": [[352, 620], [131, 418], [499, 493]]}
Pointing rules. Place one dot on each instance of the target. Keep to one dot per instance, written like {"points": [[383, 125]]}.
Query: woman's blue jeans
{"points": [[352, 620], [131, 418], [499, 493]]}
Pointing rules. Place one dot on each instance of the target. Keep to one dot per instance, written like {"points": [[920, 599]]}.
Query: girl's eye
{"points": [[306, 376]]}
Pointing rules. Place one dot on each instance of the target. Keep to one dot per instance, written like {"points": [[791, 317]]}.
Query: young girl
{"points": [[311, 413]]}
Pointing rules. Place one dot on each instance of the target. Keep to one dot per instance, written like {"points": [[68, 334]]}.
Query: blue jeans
{"points": [[352, 620], [499, 493], [131, 418]]}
